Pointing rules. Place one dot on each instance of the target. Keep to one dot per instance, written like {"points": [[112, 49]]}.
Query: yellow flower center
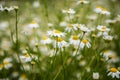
{"points": [[26, 55], [78, 25], [85, 41], [104, 9], [103, 28], [23, 76], [57, 31], [75, 37], [6, 62], [82, 0], [113, 70], [33, 22], [70, 26], [59, 39], [1, 65], [99, 7], [45, 37], [32, 62]]}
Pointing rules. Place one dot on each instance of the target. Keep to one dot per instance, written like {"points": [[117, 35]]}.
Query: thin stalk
{"points": [[17, 42], [16, 28], [62, 57]]}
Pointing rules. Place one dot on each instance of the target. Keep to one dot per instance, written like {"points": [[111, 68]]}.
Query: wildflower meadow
{"points": [[59, 39]]}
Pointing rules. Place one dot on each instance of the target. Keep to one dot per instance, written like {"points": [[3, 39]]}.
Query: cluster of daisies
{"points": [[70, 34]]}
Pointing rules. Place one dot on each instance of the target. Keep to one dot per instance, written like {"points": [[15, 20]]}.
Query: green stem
{"points": [[62, 57], [16, 28], [17, 42]]}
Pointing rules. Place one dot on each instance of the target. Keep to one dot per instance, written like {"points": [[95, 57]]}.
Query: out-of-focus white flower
{"points": [[84, 43], [50, 25], [98, 9], [56, 33], [70, 27], [111, 21], [63, 24], [82, 63], [104, 11], [101, 10], [5, 44], [33, 24], [4, 25], [83, 28], [74, 40], [114, 73], [23, 77], [102, 28], [108, 38], [102, 34], [110, 56], [96, 75], [1, 8], [15, 74], [7, 63], [92, 17], [9, 8], [82, 2], [69, 11], [45, 40], [26, 67], [25, 58], [36, 4]]}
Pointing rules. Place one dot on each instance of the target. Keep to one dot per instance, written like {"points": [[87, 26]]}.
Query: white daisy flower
{"points": [[63, 24], [98, 9], [1, 8], [96, 75], [101, 10], [104, 11], [26, 67], [110, 56], [56, 33], [103, 28], [74, 40], [50, 25], [82, 2], [111, 21], [25, 58], [108, 38], [45, 40], [9, 8], [102, 34], [15, 74], [114, 73], [83, 28], [61, 43], [84, 43], [33, 24], [36, 4], [70, 27], [7, 63]]}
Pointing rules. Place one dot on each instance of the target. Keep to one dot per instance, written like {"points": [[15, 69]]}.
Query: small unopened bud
{"points": [[36, 45], [32, 62], [16, 8]]}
